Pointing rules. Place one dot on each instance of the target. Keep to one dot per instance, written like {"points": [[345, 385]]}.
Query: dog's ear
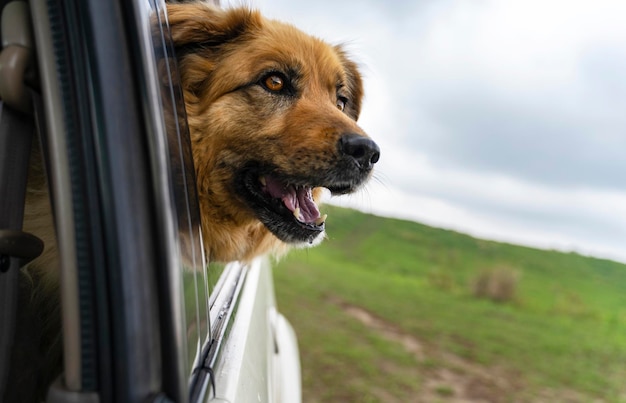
{"points": [[200, 26], [354, 83], [200, 32]]}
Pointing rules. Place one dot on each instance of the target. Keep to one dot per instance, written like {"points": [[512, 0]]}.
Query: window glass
{"points": [[199, 282], [193, 263], [193, 271]]}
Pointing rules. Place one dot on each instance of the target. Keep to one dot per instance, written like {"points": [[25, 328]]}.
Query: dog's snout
{"points": [[364, 151]]}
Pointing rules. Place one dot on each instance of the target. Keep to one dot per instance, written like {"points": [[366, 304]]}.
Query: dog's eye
{"points": [[341, 103], [274, 82]]}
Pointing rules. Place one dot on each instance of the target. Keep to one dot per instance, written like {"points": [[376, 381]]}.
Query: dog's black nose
{"points": [[364, 151]]}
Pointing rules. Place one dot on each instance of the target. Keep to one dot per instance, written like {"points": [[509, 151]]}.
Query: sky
{"points": [[503, 119]]}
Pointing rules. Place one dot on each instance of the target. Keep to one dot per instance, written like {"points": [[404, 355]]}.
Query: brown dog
{"points": [[272, 114]]}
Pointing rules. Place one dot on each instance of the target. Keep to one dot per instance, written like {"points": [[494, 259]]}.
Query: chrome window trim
{"points": [[231, 281], [222, 313]]}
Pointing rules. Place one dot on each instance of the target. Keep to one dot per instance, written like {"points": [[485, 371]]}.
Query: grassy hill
{"points": [[389, 310]]}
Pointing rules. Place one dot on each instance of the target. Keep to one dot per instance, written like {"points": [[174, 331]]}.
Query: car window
{"points": [[167, 111], [200, 282]]}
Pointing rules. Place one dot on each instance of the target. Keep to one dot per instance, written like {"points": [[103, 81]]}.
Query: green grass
{"points": [[564, 329]]}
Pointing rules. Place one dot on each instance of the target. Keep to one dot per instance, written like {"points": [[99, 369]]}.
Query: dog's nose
{"points": [[364, 151]]}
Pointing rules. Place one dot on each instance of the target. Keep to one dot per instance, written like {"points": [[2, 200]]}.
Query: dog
{"points": [[272, 117]]}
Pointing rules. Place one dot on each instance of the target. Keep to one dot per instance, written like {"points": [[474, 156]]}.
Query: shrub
{"points": [[498, 284]]}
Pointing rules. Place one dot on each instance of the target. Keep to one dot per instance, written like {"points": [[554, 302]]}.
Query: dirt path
{"points": [[455, 379]]}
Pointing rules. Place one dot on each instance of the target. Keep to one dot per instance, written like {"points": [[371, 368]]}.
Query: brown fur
{"points": [[230, 127]]}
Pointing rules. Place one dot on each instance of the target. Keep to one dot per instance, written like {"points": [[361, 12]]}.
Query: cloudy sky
{"points": [[505, 119]]}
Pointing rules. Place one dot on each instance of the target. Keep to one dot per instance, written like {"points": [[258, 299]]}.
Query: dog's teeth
{"points": [[262, 180], [296, 213], [321, 220]]}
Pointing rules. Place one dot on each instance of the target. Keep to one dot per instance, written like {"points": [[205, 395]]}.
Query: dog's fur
{"points": [[270, 111], [241, 131]]}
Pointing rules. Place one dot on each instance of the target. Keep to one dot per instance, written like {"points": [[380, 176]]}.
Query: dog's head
{"points": [[272, 114]]}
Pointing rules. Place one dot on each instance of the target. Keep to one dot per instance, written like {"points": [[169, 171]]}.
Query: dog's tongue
{"points": [[298, 199]]}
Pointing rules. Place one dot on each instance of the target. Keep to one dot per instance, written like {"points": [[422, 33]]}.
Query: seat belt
{"points": [[16, 138]]}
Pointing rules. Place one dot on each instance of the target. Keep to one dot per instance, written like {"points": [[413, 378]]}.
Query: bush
{"points": [[498, 284]]}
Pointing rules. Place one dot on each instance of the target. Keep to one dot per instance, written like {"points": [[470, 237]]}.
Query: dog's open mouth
{"points": [[284, 202], [296, 198], [285, 207]]}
